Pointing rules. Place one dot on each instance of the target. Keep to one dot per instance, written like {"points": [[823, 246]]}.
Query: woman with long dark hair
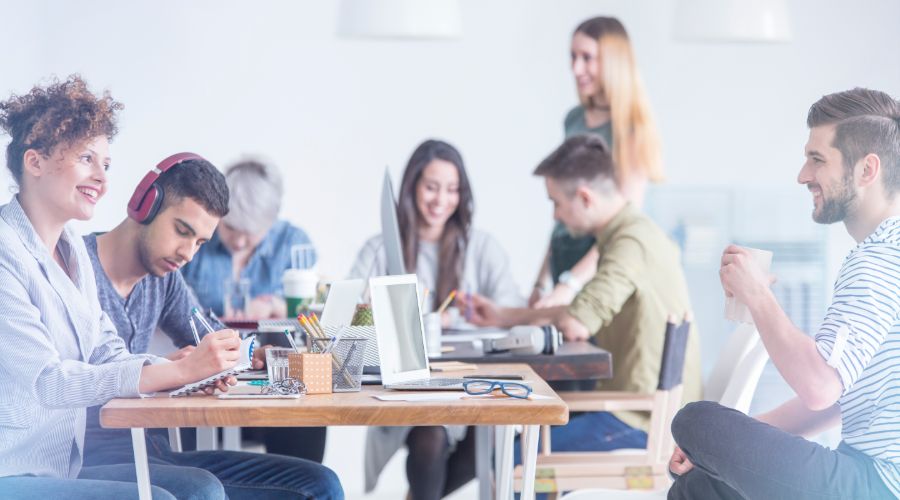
{"points": [[435, 209], [613, 105]]}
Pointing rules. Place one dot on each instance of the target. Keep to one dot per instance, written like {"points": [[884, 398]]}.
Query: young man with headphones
{"points": [[174, 210]]}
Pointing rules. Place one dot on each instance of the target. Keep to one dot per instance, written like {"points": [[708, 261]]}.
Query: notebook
{"points": [[243, 364]]}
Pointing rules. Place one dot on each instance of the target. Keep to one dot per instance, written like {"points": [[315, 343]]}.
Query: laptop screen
{"points": [[398, 325], [341, 302]]}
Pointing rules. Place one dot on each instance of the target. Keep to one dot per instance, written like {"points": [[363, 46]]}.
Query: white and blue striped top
{"points": [[59, 353], [860, 338]]}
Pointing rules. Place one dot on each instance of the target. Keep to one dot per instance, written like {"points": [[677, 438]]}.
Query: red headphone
{"points": [[148, 197]]}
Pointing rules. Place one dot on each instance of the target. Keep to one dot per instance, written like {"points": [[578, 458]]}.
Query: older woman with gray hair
{"points": [[250, 243]]}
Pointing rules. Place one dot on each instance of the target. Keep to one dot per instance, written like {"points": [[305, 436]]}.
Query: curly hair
{"points": [[62, 113]]}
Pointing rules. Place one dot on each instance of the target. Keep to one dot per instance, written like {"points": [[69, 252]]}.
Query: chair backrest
{"points": [[674, 347], [667, 399], [739, 392], [739, 344]]}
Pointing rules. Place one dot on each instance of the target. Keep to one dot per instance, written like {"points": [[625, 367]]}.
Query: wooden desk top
{"points": [[348, 408], [573, 360]]}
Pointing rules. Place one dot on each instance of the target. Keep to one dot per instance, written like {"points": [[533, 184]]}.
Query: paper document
{"points": [[243, 364]]}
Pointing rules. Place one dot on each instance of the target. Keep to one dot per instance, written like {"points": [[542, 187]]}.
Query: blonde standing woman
{"points": [[613, 105]]}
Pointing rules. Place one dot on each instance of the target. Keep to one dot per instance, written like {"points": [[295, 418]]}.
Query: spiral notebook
{"points": [[243, 364]]}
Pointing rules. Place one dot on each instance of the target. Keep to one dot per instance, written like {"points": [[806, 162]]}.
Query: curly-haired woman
{"points": [[60, 352]]}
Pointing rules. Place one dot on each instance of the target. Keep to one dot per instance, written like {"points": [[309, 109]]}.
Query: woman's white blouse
{"points": [[59, 353]]}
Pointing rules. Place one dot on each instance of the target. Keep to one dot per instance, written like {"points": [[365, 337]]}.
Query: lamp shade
{"points": [[399, 18], [732, 20]]}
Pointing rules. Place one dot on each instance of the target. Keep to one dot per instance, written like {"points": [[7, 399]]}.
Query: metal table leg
{"points": [[530, 436], [503, 461], [483, 448], [175, 439], [141, 469], [231, 438], [207, 438]]}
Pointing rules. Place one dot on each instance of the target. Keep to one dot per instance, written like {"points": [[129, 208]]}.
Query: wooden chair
{"points": [[631, 469], [732, 382]]}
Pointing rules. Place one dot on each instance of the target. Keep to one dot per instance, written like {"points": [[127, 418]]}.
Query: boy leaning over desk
{"points": [[140, 290]]}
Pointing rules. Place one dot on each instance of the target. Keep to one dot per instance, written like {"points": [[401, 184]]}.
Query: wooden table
{"points": [[352, 408], [573, 360]]}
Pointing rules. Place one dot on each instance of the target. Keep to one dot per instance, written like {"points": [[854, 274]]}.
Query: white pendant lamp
{"points": [[423, 19], [732, 20]]}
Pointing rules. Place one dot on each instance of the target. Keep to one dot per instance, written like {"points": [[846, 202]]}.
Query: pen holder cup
{"points": [[314, 370], [370, 353], [347, 365]]}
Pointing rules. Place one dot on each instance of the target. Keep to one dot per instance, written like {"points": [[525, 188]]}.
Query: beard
{"points": [[836, 207]]}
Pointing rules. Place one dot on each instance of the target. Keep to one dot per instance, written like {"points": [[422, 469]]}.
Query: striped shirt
{"points": [[59, 352], [860, 338]]}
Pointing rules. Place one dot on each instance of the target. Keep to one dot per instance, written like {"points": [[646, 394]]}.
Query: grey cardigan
{"points": [[485, 271]]}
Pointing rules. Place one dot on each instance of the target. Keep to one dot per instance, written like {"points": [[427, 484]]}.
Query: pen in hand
{"points": [[194, 330], [196, 312]]}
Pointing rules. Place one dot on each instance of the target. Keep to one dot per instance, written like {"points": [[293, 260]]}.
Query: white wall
{"points": [[227, 79]]}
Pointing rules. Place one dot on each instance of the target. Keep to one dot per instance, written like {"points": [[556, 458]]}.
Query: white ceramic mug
{"points": [[736, 310]]}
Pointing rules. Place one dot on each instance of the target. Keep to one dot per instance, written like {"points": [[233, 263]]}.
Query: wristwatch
{"points": [[568, 279]]}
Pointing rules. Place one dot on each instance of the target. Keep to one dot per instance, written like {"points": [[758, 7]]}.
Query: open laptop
{"points": [[341, 302], [390, 228], [401, 336], [339, 309]]}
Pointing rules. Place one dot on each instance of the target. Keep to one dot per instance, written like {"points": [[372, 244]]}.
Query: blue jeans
{"points": [[244, 475], [115, 482], [592, 431], [739, 457]]}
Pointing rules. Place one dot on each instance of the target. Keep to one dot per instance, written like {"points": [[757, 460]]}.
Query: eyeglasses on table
{"points": [[511, 389]]}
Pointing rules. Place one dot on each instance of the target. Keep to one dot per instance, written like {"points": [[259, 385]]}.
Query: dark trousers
{"points": [[250, 476], [433, 470], [737, 457], [300, 442]]}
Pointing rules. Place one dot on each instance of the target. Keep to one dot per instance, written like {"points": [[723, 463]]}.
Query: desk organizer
{"points": [[347, 367], [313, 369], [370, 355]]}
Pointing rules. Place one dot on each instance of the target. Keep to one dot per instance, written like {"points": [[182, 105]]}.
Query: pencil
{"points": [[304, 322], [315, 323], [424, 298], [446, 302]]}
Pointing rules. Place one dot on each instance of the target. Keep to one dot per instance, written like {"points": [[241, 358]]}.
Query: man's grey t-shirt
{"points": [[163, 302]]}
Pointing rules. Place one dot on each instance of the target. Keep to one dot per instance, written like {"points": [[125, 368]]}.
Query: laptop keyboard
{"points": [[446, 384]]}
